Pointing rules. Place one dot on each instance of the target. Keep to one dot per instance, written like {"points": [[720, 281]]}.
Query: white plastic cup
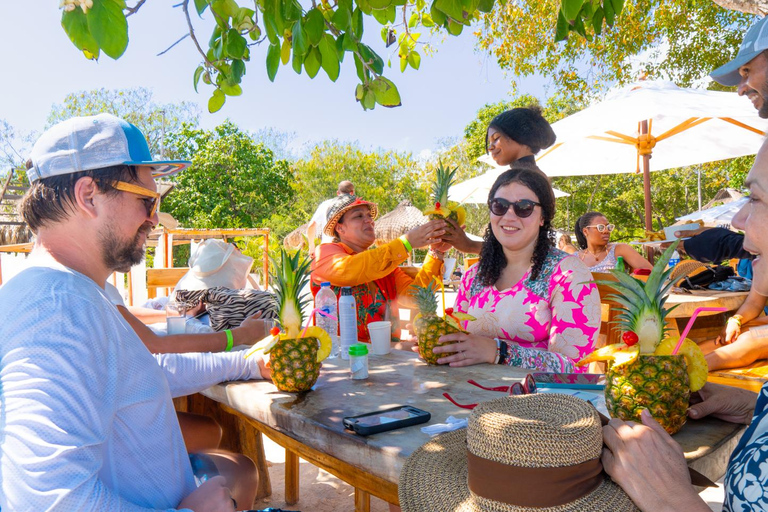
{"points": [[381, 336]]}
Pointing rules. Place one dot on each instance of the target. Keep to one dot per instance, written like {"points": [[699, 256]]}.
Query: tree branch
{"points": [[132, 10], [185, 8], [174, 44], [759, 7]]}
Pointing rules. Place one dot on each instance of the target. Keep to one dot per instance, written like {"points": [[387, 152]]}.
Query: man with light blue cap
{"points": [[86, 414], [749, 70]]}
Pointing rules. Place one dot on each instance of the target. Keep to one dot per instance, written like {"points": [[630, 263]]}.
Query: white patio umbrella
{"points": [[717, 215], [476, 190], [653, 119]]}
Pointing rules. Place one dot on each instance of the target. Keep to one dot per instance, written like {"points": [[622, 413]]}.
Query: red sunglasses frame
{"points": [[527, 387]]}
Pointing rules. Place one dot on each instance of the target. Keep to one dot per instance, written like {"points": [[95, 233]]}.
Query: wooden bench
{"points": [[163, 278]]}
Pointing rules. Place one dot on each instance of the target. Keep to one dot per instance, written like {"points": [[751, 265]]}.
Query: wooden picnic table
{"points": [[709, 323], [309, 425]]}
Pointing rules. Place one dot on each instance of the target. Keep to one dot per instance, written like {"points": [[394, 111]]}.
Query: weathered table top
{"points": [[687, 303], [400, 378]]}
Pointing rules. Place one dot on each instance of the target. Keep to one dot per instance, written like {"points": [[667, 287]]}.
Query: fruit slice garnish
{"points": [[694, 359], [626, 356], [605, 353], [324, 349], [264, 344]]}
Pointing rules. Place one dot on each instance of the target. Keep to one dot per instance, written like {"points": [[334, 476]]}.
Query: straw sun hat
{"points": [[523, 453], [342, 205]]}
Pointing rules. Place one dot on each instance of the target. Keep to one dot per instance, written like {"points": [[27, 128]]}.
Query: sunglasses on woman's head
{"points": [[522, 208], [602, 228]]}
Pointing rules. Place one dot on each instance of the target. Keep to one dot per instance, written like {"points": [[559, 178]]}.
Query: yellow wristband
{"points": [[230, 340], [737, 319], [406, 243]]}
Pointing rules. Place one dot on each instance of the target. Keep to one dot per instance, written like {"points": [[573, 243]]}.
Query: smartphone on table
{"points": [[388, 419], [570, 380]]}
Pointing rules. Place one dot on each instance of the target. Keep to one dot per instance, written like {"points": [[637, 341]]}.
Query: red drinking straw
{"points": [[690, 325]]}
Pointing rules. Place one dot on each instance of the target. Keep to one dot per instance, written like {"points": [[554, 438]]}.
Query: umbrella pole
{"points": [[647, 180]]}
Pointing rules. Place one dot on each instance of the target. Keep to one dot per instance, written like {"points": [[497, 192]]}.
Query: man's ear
{"points": [[86, 191]]}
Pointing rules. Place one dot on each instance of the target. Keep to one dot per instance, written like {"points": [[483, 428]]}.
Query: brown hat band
{"points": [[532, 487]]}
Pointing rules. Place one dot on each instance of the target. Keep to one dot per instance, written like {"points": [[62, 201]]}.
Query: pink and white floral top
{"points": [[558, 313]]}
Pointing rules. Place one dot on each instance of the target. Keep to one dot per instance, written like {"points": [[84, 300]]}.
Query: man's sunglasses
{"points": [[522, 208], [602, 228], [527, 387], [152, 203]]}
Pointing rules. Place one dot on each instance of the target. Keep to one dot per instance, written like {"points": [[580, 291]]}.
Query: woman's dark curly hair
{"points": [[582, 222], [524, 125], [492, 258]]}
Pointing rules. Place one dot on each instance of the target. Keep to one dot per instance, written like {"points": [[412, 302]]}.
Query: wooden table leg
{"points": [[362, 501], [291, 477]]}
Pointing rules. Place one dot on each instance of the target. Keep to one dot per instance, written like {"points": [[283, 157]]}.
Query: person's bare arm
{"points": [[249, 332], [632, 257], [751, 308], [457, 237]]}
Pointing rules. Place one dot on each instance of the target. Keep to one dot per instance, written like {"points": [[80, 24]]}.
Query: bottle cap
{"points": [[358, 349], [346, 290], [325, 284]]}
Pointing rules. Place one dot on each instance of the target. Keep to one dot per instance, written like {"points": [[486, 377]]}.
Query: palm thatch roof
{"points": [[399, 221], [15, 235]]}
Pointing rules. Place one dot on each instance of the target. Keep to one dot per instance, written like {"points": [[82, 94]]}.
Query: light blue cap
{"points": [[94, 142], [754, 43]]}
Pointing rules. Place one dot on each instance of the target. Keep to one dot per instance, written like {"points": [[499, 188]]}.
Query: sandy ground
{"points": [[319, 490]]}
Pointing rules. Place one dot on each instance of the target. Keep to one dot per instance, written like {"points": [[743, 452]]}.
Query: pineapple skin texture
{"points": [[428, 331], [657, 383], [294, 364]]}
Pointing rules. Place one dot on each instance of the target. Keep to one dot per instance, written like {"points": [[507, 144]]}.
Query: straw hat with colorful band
{"points": [[523, 454], [342, 205]]}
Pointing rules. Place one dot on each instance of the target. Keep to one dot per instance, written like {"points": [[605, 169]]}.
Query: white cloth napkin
{"points": [[450, 424]]}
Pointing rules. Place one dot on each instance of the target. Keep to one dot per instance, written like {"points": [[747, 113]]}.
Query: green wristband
{"points": [[230, 340], [406, 243]]}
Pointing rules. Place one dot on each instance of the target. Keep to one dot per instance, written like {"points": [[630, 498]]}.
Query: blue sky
{"points": [[41, 66]]}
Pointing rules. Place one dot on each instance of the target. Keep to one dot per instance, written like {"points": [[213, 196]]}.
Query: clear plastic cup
{"points": [[176, 317]]}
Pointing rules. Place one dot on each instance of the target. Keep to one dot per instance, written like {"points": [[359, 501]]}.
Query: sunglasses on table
{"points": [[527, 387], [602, 228], [522, 208], [152, 203]]}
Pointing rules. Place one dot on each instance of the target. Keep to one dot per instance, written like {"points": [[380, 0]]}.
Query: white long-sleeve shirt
{"points": [[86, 417]]}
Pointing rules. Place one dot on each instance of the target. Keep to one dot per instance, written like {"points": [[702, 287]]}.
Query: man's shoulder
{"points": [[38, 284]]}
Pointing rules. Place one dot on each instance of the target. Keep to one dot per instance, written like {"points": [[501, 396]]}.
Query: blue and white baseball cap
{"points": [[93, 142], [753, 45]]}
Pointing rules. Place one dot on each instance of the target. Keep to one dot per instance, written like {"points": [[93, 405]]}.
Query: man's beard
{"points": [[763, 110], [120, 255]]}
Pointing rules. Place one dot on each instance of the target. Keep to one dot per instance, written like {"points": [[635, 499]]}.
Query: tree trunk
{"points": [[749, 6]]}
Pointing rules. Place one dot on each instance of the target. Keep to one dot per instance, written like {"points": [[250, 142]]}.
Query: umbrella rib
{"points": [[742, 125], [619, 137], [688, 123]]}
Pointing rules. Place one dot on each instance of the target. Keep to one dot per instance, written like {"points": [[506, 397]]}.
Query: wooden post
{"points": [[291, 477], [362, 501], [266, 261], [647, 181]]}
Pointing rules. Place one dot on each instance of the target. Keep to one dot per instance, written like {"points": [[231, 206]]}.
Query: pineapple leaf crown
{"points": [[444, 177], [425, 298], [643, 300], [290, 276]]}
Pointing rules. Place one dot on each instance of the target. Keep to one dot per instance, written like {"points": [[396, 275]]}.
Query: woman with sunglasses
{"points": [[593, 234], [533, 303]]}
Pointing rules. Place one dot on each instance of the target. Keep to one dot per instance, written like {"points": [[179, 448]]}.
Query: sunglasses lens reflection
{"points": [[530, 384], [516, 389], [522, 208]]}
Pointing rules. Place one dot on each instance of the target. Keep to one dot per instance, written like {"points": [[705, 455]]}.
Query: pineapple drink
{"points": [[444, 178], [643, 373], [429, 326], [295, 356]]}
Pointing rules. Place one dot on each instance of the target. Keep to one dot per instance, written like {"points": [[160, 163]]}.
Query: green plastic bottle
{"points": [[620, 264]]}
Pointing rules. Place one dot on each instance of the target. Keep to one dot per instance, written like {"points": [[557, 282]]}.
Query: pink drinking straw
{"points": [[311, 315], [690, 325]]}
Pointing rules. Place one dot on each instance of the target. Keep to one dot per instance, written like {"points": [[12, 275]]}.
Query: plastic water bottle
{"points": [[325, 301], [347, 321], [674, 259]]}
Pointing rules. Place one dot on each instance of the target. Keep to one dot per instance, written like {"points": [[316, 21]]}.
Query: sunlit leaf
{"points": [[216, 101], [108, 26]]}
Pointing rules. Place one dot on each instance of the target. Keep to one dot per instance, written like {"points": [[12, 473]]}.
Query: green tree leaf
{"points": [[571, 8], [414, 59], [273, 61], [236, 44], [76, 26], [297, 62], [237, 71], [108, 26], [231, 90], [216, 101], [314, 24], [299, 39], [201, 6], [357, 24], [452, 8], [196, 78], [285, 51], [385, 92], [342, 18], [312, 62], [329, 57]]}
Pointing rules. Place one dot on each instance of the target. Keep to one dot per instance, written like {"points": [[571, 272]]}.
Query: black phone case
{"points": [[350, 422]]}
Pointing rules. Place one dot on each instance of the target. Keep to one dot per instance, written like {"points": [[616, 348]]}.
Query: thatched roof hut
{"points": [[399, 221], [296, 239]]}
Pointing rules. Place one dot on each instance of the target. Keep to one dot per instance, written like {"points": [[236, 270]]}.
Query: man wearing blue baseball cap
{"points": [[86, 416], [749, 70]]}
